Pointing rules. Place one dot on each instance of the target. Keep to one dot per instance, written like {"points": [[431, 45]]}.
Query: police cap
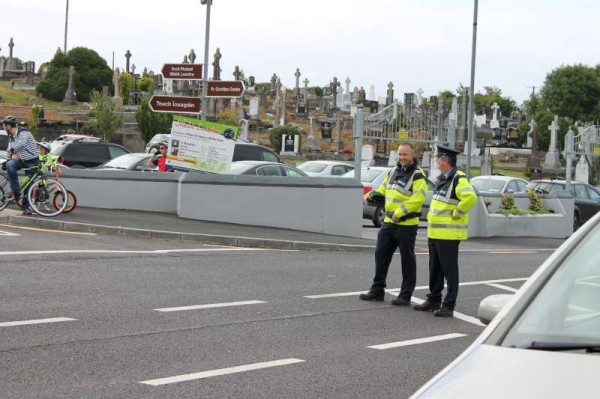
{"points": [[448, 151]]}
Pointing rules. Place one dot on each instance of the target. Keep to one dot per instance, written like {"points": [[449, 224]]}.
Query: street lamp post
{"points": [[208, 3], [66, 26], [470, 132]]}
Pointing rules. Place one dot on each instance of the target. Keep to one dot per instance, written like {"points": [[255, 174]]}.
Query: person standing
{"points": [[23, 151], [448, 222], [160, 158], [404, 190]]}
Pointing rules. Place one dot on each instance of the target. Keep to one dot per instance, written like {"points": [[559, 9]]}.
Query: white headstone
{"points": [[420, 96], [532, 125], [554, 126], [495, 123], [371, 96], [253, 109]]}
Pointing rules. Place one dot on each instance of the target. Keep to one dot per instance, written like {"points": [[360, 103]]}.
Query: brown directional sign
{"points": [[186, 105], [182, 71], [220, 88]]}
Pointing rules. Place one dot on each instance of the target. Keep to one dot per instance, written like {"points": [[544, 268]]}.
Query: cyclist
{"points": [[23, 151]]}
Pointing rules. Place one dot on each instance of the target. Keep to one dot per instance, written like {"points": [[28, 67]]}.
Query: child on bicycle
{"points": [[48, 162]]}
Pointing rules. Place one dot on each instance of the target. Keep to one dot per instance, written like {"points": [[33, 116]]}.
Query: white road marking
{"points": [[218, 372], [209, 306], [417, 341], [38, 321], [503, 287], [456, 315], [110, 251], [9, 234], [424, 287], [81, 233]]}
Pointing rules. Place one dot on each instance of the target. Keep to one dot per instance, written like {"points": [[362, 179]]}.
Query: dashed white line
{"points": [[38, 321], [218, 372], [209, 306], [503, 287], [456, 315], [110, 251], [417, 341]]}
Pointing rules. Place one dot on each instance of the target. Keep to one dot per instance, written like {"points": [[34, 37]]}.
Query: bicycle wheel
{"points": [[4, 188], [41, 195], [71, 201]]}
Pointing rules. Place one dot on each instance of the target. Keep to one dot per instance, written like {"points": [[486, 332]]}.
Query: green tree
{"points": [[91, 73], [573, 91], [276, 133], [484, 101], [107, 115], [125, 86], [146, 85], [228, 117], [150, 122]]}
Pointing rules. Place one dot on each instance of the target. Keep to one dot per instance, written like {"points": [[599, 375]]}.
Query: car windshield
{"points": [[566, 312], [124, 161], [313, 167], [488, 185]]}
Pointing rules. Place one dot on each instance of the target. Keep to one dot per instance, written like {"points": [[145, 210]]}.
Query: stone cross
{"points": [[390, 94], [495, 123], [127, 57], [237, 73], [334, 90], [347, 81], [297, 87], [372, 95], [133, 70], [554, 126], [11, 44], [273, 82], [216, 66], [530, 133], [192, 56], [420, 96], [306, 86]]}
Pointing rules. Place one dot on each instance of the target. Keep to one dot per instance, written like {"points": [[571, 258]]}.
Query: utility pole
{"points": [[532, 90], [470, 124], [204, 109], [66, 26]]}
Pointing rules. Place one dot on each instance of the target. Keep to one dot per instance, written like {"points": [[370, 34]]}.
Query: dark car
{"points": [[262, 168], [86, 154], [587, 197], [3, 144], [253, 152]]}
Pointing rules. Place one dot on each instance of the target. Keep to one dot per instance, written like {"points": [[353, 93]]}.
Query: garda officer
{"points": [[404, 189], [448, 221]]}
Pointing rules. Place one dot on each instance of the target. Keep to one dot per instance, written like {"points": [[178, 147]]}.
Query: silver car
{"points": [[498, 184], [543, 342]]}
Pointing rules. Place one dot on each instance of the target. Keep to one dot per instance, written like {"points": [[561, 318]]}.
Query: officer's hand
{"points": [[395, 218], [455, 216]]}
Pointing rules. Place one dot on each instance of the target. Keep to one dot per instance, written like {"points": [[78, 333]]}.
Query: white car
{"points": [[325, 168], [498, 184], [543, 341]]}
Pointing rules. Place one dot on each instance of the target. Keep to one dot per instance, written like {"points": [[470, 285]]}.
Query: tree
{"points": [[150, 122], [108, 115], [91, 73], [276, 133], [146, 85], [573, 91], [228, 117], [125, 86]]}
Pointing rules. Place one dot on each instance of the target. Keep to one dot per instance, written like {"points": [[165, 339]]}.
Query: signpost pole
{"points": [[205, 80]]}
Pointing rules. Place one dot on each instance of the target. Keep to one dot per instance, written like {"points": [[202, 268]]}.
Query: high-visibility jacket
{"points": [[453, 196], [404, 193]]}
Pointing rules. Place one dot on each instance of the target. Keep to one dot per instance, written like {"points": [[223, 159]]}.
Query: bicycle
{"points": [[59, 199], [41, 193]]}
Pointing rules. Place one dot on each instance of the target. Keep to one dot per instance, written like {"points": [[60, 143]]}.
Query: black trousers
{"points": [[443, 263], [391, 237]]}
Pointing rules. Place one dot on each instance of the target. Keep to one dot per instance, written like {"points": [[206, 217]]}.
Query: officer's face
{"points": [[405, 155], [443, 164]]}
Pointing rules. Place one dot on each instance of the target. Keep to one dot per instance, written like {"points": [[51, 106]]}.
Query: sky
{"points": [[415, 44]]}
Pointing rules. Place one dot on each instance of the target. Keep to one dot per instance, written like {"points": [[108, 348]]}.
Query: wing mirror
{"points": [[491, 305]]}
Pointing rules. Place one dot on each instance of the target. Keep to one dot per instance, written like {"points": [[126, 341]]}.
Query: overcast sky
{"points": [[411, 43]]}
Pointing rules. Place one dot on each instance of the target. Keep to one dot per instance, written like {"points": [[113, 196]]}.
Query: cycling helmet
{"points": [[46, 145], [10, 120]]}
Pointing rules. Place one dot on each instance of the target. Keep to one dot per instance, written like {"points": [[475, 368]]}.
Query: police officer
{"points": [[404, 189], [448, 222]]}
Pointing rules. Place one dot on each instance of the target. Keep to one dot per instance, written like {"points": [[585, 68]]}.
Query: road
{"points": [[92, 316]]}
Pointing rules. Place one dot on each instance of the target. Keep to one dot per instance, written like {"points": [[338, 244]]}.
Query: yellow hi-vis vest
{"points": [[404, 195], [454, 196]]}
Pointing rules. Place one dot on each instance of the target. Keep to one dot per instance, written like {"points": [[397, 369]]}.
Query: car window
{"points": [[338, 170], [511, 187], [520, 185], [83, 151], [488, 185], [116, 151], [313, 167], [291, 172], [593, 194], [269, 156], [567, 309], [269, 170]]}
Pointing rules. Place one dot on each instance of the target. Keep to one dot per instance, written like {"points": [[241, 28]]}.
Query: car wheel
{"points": [[576, 220], [379, 216]]}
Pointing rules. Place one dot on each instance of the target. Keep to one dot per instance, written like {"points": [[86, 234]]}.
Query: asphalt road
{"points": [[107, 316]]}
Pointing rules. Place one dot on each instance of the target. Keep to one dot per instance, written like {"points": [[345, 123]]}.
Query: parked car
{"points": [[326, 168], [80, 153], [587, 197], [371, 179], [132, 161], [3, 144], [70, 137], [253, 152], [498, 184], [155, 141], [263, 168], [543, 341]]}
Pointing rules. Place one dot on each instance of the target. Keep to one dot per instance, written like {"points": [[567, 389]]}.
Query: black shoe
{"points": [[427, 306], [372, 296], [401, 302], [445, 311]]}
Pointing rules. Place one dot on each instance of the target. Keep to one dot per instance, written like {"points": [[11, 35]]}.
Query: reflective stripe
{"points": [[449, 226], [445, 200], [403, 207], [467, 190], [438, 212], [423, 192], [402, 190]]}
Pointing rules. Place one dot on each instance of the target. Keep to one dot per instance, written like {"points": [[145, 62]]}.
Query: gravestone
{"points": [[495, 123], [1, 67], [127, 57], [452, 119], [552, 160], [70, 96], [530, 134], [420, 96], [216, 65], [372, 96], [243, 129], [290, 144], [116, 76], [312, 142], [389, 99], [253, 108], [192, 56], [273, 83], [362, 96], [334, 85], [306, 81], [297, 85], [11, 63]]}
